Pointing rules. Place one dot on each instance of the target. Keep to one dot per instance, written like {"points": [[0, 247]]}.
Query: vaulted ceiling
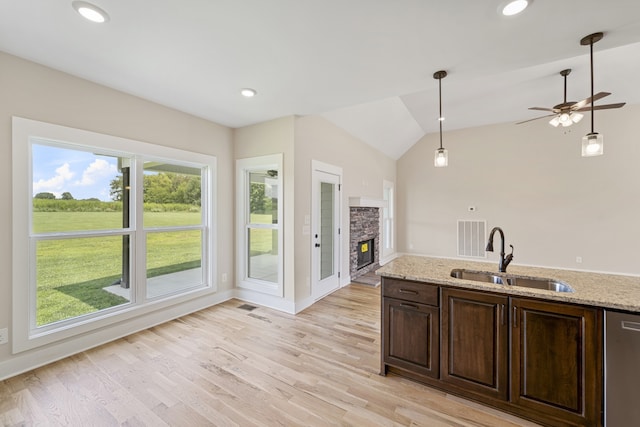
{"points": [[366, 65]]}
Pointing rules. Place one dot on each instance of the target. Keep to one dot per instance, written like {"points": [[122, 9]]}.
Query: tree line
{"points": [[160, 188], [164, 187]]}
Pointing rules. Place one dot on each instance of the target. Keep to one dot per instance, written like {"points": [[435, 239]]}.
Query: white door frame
{"points": [[320, 288]]}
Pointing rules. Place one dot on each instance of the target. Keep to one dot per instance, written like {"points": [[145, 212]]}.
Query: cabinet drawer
{"points": [[423, 293]]}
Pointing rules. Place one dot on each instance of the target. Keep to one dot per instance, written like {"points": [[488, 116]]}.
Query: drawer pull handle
{"points": [[415, 307], [408, 291], [515, 317]]}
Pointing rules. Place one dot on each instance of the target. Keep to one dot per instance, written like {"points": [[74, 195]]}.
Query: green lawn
{"points": [[72, 272]]}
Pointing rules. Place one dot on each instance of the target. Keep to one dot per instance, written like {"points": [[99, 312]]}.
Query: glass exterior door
{"points": [[326, 233]]}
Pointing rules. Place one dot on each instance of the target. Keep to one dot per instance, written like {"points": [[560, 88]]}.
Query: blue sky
{"points": [[83, 174]]}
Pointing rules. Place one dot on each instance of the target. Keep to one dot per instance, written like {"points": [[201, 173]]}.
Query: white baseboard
{"points": [[344, 281], [305, 303]]}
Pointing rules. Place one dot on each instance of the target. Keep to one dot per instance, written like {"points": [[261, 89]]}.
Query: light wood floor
{"points": [[229, 366]]}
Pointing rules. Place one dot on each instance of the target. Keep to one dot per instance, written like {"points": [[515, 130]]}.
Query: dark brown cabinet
{"points": [[411, 327], [475, 339], [538, 359], [557, 360]]}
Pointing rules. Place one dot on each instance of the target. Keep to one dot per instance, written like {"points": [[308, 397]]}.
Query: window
{"points": [[260, 224], [104, 229], [388, 225]]}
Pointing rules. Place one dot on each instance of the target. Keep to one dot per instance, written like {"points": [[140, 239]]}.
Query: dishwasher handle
{"points": [[630, 326]]}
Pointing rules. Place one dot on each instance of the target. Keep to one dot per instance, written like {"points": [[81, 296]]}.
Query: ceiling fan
{"points": [[568, 113]]}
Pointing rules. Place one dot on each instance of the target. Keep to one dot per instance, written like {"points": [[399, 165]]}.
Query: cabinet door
{"points": [[557, 360], [411, 336], [475, 342]]}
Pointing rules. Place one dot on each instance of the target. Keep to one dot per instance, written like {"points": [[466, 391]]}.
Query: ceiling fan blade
{"points": [[541, 109], [589, 100], [537, 118], [603, 107]]}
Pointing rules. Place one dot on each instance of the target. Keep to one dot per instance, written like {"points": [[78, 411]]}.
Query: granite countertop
{"points": [[595, 289]]}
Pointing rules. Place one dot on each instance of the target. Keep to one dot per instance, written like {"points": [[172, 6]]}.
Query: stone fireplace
{"points": [[364, 236]]}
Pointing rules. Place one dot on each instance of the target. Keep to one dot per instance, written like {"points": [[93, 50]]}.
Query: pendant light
{"points": [[441, 158], [593, 142]]}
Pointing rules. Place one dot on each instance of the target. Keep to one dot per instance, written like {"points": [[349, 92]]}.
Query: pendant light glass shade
{"points": [[441, 158], [592, 145]]}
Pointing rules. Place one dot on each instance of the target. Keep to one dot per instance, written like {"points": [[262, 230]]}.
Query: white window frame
{"points": [[388, 222], [25, 335], [243, 168]]}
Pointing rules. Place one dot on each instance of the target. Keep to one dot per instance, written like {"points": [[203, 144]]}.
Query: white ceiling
{"points": [[366, 65]]}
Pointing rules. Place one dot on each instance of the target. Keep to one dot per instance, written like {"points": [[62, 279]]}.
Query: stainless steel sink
{"points": [[539, 283], [512, 280], [477, 276]]}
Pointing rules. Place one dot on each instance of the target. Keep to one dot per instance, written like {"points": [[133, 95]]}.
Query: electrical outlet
{"points": [[224, 277], [579, 259], [4, 336]]}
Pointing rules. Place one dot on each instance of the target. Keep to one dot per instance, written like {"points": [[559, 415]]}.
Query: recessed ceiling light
{"points": [[514, 7], [248, 92], [91, 12]]}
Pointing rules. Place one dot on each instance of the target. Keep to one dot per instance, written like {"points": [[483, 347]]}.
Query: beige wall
{"points": [[364, 169], [530, 179], [36, 92], [273, 137]]}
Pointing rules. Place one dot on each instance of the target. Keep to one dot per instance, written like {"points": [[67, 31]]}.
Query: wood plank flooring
{"points": [[232, 366]]}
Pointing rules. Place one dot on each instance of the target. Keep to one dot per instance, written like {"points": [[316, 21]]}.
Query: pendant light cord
{"points": [[440, 117], [592, 100]]}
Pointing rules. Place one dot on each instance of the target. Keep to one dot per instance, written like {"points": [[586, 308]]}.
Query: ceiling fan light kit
{"points": [[441, 158]]}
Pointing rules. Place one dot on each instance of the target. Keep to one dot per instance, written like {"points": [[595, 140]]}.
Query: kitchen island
{"points": [[536, 353]]}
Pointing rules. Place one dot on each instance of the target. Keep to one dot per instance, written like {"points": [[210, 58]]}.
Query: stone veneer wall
{"points": [[364, 224]]}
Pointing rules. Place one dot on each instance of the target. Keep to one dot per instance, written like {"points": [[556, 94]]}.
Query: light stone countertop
{"points": [[592, 289]]}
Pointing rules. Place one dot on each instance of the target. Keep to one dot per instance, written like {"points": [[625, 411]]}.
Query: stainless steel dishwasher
{"points": [[622, 369]]}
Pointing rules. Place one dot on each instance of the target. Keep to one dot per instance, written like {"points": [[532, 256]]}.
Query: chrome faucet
{"points": [[504, 261]]}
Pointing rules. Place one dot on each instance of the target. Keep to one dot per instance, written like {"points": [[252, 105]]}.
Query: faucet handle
{"points": [[508, 259]]}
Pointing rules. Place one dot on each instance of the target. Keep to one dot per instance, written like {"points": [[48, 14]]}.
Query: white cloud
{"points": [[56, 183], [97, 170]]}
